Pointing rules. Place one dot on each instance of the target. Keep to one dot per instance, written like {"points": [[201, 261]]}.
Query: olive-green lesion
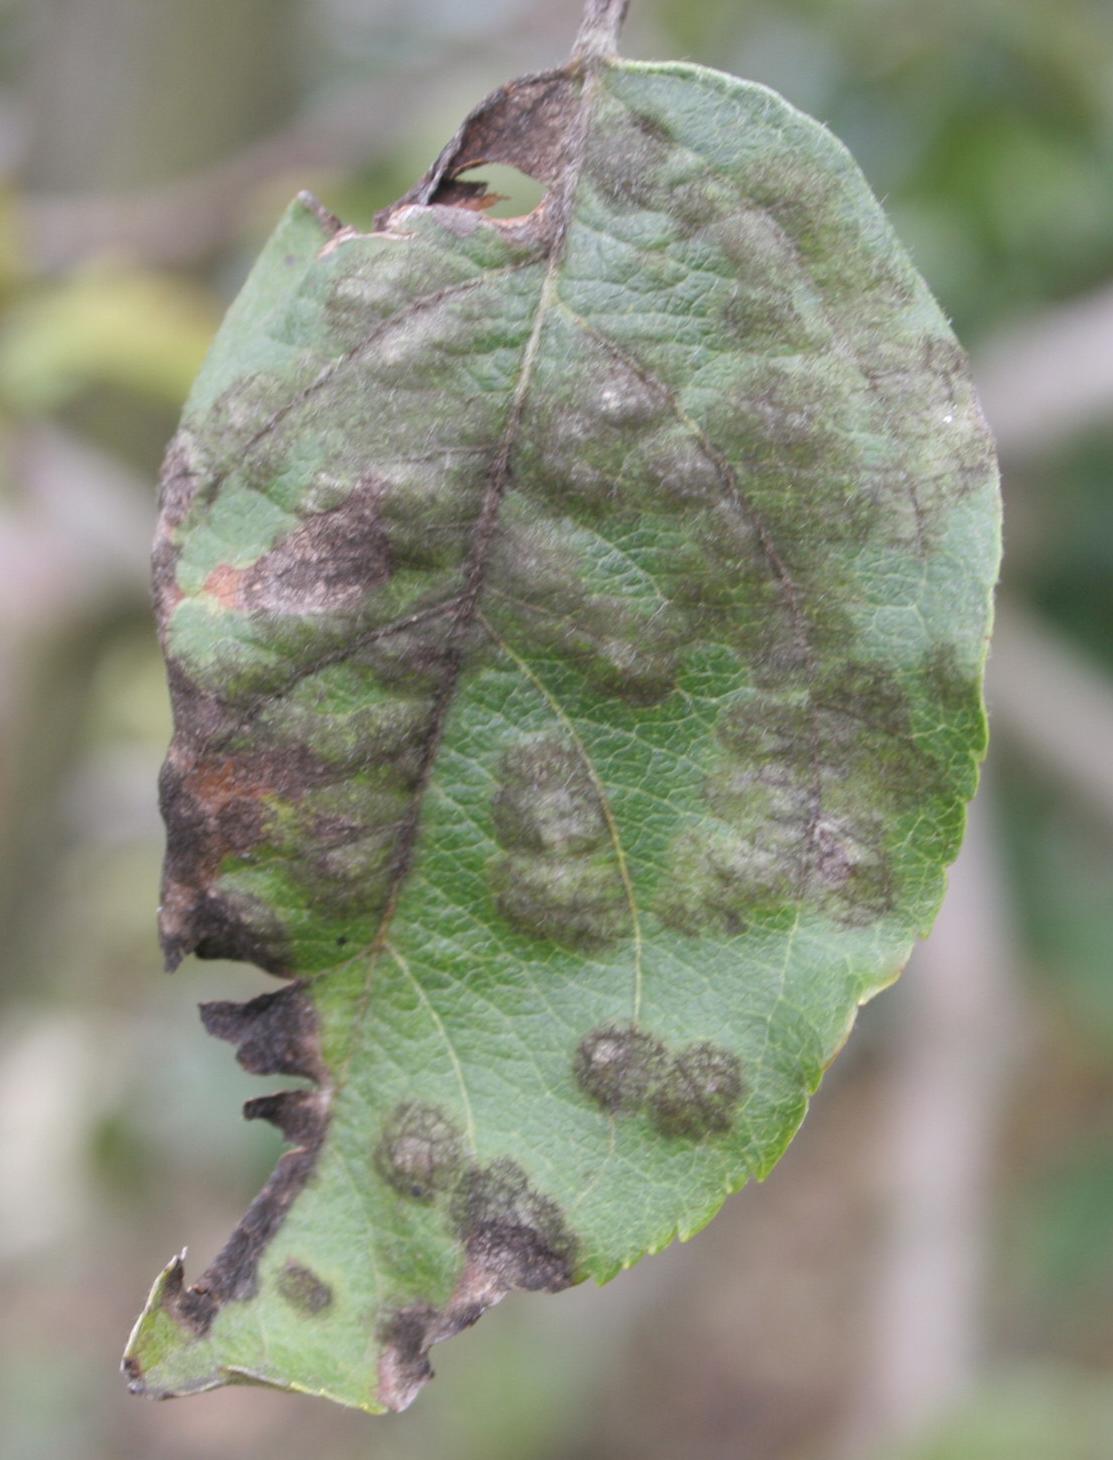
{"points": [[558, 877], [303, 1290], [809, 795]]}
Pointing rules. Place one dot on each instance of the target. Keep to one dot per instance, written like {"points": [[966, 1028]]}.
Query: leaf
{"points": [[575, 626]]}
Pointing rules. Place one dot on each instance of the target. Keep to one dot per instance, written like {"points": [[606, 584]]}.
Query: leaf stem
{"points": [[599, 29]]}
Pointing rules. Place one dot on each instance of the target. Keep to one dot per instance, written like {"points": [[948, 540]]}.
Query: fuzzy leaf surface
{"points": [[575, 626]]}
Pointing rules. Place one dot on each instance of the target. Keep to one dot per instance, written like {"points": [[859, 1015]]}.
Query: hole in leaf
{"points": [[517, 192]]}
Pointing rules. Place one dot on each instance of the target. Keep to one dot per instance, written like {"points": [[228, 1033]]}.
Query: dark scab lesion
{"points": [[405, 1336], [546, 801], [700, 1092], [559, 879], [619, 1065], [133, 1372], [511, 1231], [627, 161], [624, 649], [239, 430], [182, 472], [721, 880], [652, 126], [762, 728], [327, 565], [691, 1093], [303, 1289], [577, 902], [419, 1152], [853, 873]]}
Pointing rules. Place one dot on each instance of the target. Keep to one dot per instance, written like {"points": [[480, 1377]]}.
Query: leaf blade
{"points": [[630, 746]]}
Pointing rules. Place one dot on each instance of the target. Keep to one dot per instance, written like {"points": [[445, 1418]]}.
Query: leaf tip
{"points": [[329, 222]]}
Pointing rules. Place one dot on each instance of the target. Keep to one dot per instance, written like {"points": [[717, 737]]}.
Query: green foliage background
{"points": [[987, 128]]}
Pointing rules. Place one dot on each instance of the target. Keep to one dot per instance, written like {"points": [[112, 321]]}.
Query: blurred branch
{"points": [[82, 531], [73, 556], [961, 1023], [193, 217], [1054, 705], [959, 1016], [1051, 376]]}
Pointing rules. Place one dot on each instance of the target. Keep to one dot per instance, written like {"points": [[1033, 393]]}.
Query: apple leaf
{"points": [[575, 626]]}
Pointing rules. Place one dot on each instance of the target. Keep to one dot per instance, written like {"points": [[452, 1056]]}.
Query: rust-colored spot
{"points": [[224, 584]]}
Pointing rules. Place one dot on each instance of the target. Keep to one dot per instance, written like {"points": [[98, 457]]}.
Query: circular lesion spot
{"points": [[691, 1093], [420, 1151], [511, 1230], [618, 1066], [546, 801], [700, 1092], [559, 878], [303, 1289]]}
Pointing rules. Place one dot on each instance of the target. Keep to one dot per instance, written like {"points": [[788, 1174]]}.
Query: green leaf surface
{"points": [[575, 626]]}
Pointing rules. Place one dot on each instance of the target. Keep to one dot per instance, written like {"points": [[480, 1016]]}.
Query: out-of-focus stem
{"points": [[600, 28], [1053, 705], [951, 1055]]}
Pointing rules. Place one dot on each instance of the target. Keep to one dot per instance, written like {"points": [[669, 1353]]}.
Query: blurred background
{"points": [[929, 1273]]}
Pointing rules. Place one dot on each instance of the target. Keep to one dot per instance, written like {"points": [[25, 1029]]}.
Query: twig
{"points": [[599, 29], [951, 1055], [1054, 705], [193, 217], [1050, 376]]}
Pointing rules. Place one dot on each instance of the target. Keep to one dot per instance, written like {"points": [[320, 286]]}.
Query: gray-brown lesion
{"points": [[419, 1151], [618, 1066], [512, 1235], [688, 1093], [558, 878]]}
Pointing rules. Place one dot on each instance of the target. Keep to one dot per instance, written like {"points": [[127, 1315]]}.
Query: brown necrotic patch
{"points": [[303, 1289], [619, 1065], [514, 1237], [419, 1151], [296, 1113], [181, 472], [699, 1092], [217, 799], [327, 565], [524, 125], [275, 1034], [512, 1233]]}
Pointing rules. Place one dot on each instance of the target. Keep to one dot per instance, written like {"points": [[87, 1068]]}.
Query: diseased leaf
{"points": [[575, 626]]}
